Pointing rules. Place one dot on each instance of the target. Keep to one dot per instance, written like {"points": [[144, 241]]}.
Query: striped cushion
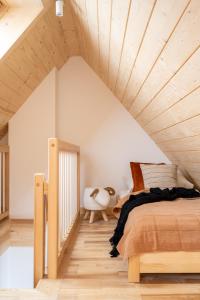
{"points": [[162, 176]]}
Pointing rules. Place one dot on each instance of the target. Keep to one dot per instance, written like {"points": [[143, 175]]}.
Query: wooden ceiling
{"points": [[46, 44], [146, 51]]}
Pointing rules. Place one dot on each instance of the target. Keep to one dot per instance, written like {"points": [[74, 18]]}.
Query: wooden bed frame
{"points": [[163, 262]]}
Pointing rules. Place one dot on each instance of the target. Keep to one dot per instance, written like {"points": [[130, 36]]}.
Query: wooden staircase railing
{"points": [[4, 181], [57, 207]]}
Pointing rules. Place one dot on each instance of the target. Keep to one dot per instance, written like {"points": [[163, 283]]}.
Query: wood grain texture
{"points": [[89, 273], [149, 57], [147, 52], [47, 43], [39, 228]]}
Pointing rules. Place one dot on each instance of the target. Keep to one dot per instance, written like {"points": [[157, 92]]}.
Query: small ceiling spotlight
{"points": [[59, 8]]}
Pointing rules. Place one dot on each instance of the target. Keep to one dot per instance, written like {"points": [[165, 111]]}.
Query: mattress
{"points": [[162, 226]]}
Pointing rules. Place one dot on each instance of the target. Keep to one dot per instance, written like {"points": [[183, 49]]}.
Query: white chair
{"points": [[96, 199]]}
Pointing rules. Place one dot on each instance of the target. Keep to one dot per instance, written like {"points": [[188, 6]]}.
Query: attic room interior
{"points": [[99, 149]]}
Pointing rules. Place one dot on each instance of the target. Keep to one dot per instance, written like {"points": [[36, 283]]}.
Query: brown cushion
{"points": [[138, 182]]}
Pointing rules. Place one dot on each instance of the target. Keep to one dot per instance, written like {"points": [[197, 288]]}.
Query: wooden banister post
{"points": [[78, 182], [53, 209], [39, 228]]}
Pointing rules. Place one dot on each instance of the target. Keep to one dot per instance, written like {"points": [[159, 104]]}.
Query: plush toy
{"points": [[97, 199]]}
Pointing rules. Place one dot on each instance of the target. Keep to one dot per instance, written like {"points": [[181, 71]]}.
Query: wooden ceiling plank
{"points": [[41, 37], [184, 158], [80, 27], [34, 60], [186, 144], [69, 29], [8, 106], [36, 52], [7, 94], [181, 46], [38, 46], [165, 18], [180, 140], [8, 77], [104, 16], [120, 14], [48, 3], [181, 111], [184, 83], [173, 125], [49, 43], [26, 32], [86, 31], [190, 127], [57, 34], [6, 113], [91, 7], [139, 17], [18, 63]]}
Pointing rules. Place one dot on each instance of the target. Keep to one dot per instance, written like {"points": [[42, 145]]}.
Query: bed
{"points": [[167, 238], [162, 237]]}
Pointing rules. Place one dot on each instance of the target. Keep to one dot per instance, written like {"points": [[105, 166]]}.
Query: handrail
{"points": [[4, 181], [61, 210], [39, 228]]}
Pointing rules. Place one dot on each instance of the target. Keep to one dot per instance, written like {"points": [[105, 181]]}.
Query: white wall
{"points": [[89, 115], [29, 130], [85, 113]]}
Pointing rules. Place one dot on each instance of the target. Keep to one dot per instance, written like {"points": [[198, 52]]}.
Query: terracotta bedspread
{"points": [[162, 226]]}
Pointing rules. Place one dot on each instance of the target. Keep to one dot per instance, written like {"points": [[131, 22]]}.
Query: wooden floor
{"points": [[90, 274], [15, 233]]}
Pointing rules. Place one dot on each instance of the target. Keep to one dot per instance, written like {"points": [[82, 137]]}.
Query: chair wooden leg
{"points": [[86, 214], [92, 216], [134, 269], [104, 216]]}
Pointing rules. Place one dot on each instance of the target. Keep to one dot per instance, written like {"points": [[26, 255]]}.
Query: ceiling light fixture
{"points": [[59, 8]]}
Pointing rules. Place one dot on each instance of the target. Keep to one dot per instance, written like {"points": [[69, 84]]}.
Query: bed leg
{"points": [[134, 269]]}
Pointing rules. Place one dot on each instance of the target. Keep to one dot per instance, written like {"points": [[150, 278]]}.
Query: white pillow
{"points": [[162, 176], [182, 181]]}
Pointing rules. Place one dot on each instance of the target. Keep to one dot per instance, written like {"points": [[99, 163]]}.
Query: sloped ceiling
{"points": [[46, 44], [146, 52]]}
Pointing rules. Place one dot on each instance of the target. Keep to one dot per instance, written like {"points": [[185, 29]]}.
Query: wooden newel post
{"points": [[53, 209], [39, 228]]}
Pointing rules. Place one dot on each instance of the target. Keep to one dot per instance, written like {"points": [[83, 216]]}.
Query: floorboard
{"points": [[90, 274]]}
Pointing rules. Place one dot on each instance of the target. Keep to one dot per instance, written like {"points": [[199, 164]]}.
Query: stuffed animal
{"points": [[97, 199]]}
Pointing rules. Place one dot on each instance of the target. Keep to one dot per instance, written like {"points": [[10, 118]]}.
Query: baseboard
{"points": [[22, 221]]}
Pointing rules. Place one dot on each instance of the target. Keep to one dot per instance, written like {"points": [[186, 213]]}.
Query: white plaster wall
{"points": [[29, 130], [89, 115], [75, 105]]}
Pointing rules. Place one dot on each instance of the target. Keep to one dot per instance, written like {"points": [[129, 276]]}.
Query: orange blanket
{"points": [[162, 226]]}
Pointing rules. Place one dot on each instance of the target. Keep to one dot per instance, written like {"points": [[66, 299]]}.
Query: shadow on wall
{"points": [[108, 136]]}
